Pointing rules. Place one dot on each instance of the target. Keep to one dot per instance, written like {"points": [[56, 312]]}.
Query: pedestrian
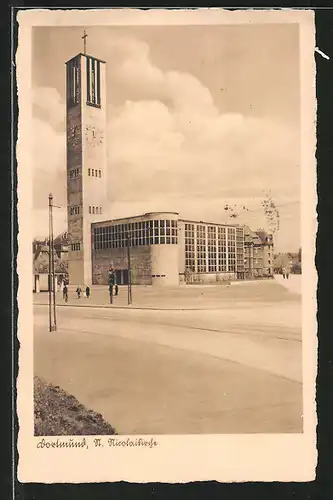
{"points": [[111, 292], [283, 273], [287, 274], [65, 293], [112, 281], [78, 291], [87, 292]]}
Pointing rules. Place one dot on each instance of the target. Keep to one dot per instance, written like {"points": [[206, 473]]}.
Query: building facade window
{"points": [[211, 246], [93, 70], [92, 172], [240, 249], [231, 249], [189, 247], [153, 232], [89, 172], [222, 249], [201, 248], [73, 82], [99, 173], [75, 172], [76, 247], [75, 210]]}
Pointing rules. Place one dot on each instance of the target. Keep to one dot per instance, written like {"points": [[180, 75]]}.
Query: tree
{"points": [[188, 274], [272, 214], [61, 267]]}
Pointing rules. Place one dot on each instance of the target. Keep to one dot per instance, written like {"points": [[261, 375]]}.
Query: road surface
{"points": [[236, 370]]}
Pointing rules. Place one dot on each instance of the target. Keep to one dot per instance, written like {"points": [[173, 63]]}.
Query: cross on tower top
{"points": [[84, 41]]}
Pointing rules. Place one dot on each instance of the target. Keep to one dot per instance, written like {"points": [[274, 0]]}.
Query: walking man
{"points": [[65, 293], [87, 292], [112, 280], [111, 292], [78, 291]]}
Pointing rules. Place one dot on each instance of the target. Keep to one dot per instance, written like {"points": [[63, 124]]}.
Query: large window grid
{"points": [[211, 241], [201, 248], [189, 247], [240, 249], [212, 248], [153, 232], [222, 248], [232, 249]]}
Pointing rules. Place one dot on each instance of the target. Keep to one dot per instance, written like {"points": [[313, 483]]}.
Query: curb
{"points": [[93, 306]]}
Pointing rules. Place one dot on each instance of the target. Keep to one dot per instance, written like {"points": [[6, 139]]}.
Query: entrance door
{"points": [[122, 276]]}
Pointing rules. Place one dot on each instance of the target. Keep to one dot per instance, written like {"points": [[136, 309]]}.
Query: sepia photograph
{"points": [[166, 241]]}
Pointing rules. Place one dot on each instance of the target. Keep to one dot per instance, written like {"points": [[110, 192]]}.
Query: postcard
{"points": [[167, 226]]}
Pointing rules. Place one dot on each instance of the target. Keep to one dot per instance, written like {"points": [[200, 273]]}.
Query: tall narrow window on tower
{"points": [[73, 81], [93, 82]]}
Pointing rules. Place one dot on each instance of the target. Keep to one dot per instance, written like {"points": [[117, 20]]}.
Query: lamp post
{"points": [[50, 260], [52, 321], [129, 289]]}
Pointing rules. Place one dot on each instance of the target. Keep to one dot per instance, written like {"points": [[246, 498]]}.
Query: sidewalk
{"points": [[179, 298], [293, 284]]}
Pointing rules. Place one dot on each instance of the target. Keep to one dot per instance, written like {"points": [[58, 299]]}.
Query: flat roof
{"points": [[209, 223], [133, 217], [173, 213]]}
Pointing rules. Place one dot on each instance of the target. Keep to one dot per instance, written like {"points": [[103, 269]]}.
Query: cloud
{"points": [[49, 107], [49, 153], [169, 145]]}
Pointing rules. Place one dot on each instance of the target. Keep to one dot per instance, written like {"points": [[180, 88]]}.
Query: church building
{"points": [[86, 158], [159, 248]]}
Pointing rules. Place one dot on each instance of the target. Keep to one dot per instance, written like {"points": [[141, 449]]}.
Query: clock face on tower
{"points": [[94, 136]]}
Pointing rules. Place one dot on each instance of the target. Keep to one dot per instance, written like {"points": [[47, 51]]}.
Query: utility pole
{"points": [[52, 323], [50, 277], [129, 290]]}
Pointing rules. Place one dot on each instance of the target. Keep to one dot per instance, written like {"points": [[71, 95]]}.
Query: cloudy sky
{"points": [[198, 117]]}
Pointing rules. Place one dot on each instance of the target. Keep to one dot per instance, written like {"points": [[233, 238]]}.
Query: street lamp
{"points": [[52, 297], [129, 289], [52, 321]]}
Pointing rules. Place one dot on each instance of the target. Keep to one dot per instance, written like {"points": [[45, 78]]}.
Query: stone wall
{"points": [[117, 257]]}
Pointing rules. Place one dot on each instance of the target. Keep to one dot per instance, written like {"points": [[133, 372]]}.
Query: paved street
{"points": [[293, 283], [236, 369]]}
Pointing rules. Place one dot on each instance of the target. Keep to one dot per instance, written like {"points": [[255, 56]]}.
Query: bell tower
{"points": [[86, 158]]}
